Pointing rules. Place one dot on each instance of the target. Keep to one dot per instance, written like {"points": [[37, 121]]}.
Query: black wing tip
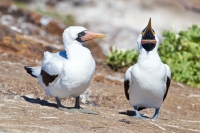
{"points": [[29, 70], [167, 87], [126, 88]]}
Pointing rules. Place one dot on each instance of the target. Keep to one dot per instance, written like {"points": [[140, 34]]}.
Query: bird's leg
{"points": [[77, 103], [78, 107], [59, 105], [66, 109], [137, 114], [156, 113], [75, 109]]}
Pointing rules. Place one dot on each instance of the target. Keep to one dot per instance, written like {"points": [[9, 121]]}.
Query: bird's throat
{"points": [[148, 46]]}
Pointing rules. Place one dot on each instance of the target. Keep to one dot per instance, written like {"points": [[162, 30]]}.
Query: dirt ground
{"points": [[25, 108]]}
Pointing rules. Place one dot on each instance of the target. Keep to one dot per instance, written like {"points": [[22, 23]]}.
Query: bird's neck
{"points": [[148, 55], [75, 50], [149, 61]]}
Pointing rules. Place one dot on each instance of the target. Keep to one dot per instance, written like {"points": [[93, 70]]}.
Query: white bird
{"points": [[69, 72], [146, 83]]}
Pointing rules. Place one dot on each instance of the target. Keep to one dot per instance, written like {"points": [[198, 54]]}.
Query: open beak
{"points": [[148, 40], [148, 35], [91, 35], [149, 25]]}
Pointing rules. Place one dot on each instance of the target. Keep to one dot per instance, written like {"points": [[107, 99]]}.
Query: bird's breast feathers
{"points": [[76, 73], [149, 77]]}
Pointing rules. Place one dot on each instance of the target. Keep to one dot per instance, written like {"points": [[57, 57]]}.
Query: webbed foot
{"points": [[138, 115], [75, 109]]}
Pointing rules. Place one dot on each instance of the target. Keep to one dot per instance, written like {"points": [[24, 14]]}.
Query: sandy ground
{"points": [[25, 108]]}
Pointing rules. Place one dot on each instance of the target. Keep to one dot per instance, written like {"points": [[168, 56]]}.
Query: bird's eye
{"points": [[153, 32], [79, 34], [143, 31]]}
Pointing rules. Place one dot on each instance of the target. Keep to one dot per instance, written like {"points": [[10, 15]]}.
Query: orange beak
{"points": [[91, 35]]}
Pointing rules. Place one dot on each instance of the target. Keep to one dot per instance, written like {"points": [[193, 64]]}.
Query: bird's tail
{"points": [[33, 71]]}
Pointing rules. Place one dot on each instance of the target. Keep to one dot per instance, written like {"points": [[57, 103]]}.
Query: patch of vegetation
{"points": [[69, 20], [117, 58], [181, 51], [20, 4]]}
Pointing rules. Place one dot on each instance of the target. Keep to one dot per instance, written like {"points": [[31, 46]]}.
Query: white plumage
{"points": [[147, 81], [67, 73]]}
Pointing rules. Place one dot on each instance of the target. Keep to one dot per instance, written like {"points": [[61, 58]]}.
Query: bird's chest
{"points": [[78, 72], [149, 77], [147, 87]]}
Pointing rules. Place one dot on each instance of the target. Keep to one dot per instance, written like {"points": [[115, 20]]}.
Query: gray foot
{"points": [[75, 109], [138, 115]]}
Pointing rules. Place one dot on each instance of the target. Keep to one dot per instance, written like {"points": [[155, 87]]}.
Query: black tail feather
{"points": [[29, 70]]}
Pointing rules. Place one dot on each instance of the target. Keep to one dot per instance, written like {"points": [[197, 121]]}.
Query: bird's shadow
{"points": [[39, 101], [128, 113], [131, 113]]}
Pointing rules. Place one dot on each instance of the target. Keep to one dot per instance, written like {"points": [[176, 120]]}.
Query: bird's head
{"points": [[78, 35], [148, 39]]}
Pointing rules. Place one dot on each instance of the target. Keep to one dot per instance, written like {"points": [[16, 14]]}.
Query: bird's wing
{"points": [[51, 68], [127, 81], [168, 81], [33, 71]]}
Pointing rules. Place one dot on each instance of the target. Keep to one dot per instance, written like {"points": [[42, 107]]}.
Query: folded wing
{"points": [[168, 81], [51, 68], [127, 81]]}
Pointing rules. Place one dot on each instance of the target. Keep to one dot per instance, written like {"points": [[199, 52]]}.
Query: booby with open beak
{"points": [[69, 72], [146, 83]]}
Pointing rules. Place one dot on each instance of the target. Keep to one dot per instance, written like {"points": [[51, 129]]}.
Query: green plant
{"points": [[67, 19], [181, 51], [120, 58]]}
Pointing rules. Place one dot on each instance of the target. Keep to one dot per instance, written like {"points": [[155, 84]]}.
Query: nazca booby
{"points": [[69, 72], [146, 83]]}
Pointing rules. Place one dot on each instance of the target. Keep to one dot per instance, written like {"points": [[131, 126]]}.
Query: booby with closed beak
{"points": [[146, 83], [69, 72]]}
